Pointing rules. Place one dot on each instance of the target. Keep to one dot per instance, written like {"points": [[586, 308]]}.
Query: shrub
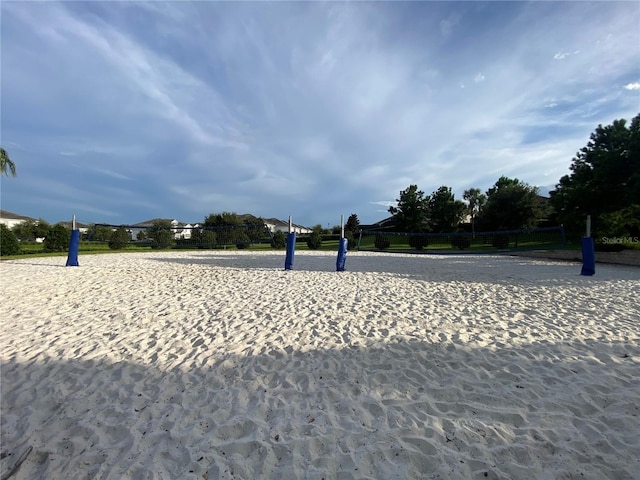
{"points": [[381, 242], [460, 241], [57, 240], [242, 241], [204, 238], [418, 241], [9, 244], [120, 238], [314, 242], [352, 241], [279, 240], [500, 241], [160, 235]]}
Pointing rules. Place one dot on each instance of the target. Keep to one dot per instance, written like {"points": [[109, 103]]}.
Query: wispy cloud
{"points": [[178, 109]]}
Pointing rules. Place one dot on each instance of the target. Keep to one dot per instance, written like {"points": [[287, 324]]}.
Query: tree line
{"points": [[604, 183], [508, 205]]}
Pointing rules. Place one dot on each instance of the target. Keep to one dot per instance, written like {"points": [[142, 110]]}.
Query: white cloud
{"points": [[276, 107], [447, 25], [384, 203]]}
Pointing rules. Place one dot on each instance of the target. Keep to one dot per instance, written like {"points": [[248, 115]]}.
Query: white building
{"points": [[275, 225], [11, 219], [180, 230]]}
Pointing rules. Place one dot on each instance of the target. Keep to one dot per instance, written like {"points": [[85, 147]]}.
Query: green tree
{"points": [[7, 167], [475, 204], [279, 240], [445, 212], [140, 236], [99, 233], [314, 240], [353, 225], [352, 231], [257, 230], [511, 204], [233, 234], [120, 238], [204, 238], [57, 240], [9, 244], [604, 179], [223, 219], [411, 210], [160, 234], [29, 230]]}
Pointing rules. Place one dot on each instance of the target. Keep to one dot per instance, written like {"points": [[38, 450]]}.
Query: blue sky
{"points": [[119, 112]]}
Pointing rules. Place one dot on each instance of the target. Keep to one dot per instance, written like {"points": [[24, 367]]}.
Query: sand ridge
{"points": [[223, 365]]}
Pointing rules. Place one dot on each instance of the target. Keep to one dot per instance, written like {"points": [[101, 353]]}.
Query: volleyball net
{"points": [[548, 238], [179, 236]]}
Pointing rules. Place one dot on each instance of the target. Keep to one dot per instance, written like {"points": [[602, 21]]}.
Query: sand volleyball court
{"points": [[221, 365]]}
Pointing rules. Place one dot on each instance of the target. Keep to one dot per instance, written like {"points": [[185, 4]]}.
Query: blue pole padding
{"points": [[588, 256], [291, 247], [74, 245], [342, 254]]}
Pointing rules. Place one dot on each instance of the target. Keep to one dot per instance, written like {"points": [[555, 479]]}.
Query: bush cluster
{"points": [[9, 244], [120, 238], [314, 241], [57, 240], [460, 241], [381, 242], [279, 240], [418, 241]]}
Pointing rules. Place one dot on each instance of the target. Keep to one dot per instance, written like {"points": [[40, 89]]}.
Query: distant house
{"points": [[11, 219], [275, 225], [180, 230]]}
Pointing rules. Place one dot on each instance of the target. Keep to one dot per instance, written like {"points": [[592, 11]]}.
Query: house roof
{"points": [[149, 223], [385, 223], [13, 216], [282, 223]]}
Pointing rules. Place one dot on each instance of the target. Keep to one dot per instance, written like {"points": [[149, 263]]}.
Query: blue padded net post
{"points": [[342, 255], [74, 245], [588, 256], [291, 247]]}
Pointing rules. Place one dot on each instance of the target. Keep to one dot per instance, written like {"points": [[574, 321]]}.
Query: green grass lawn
{"points": [[33, 249]]}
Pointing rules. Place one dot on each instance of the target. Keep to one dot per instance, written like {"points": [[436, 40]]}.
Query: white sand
{"points": [[223, 365]]}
